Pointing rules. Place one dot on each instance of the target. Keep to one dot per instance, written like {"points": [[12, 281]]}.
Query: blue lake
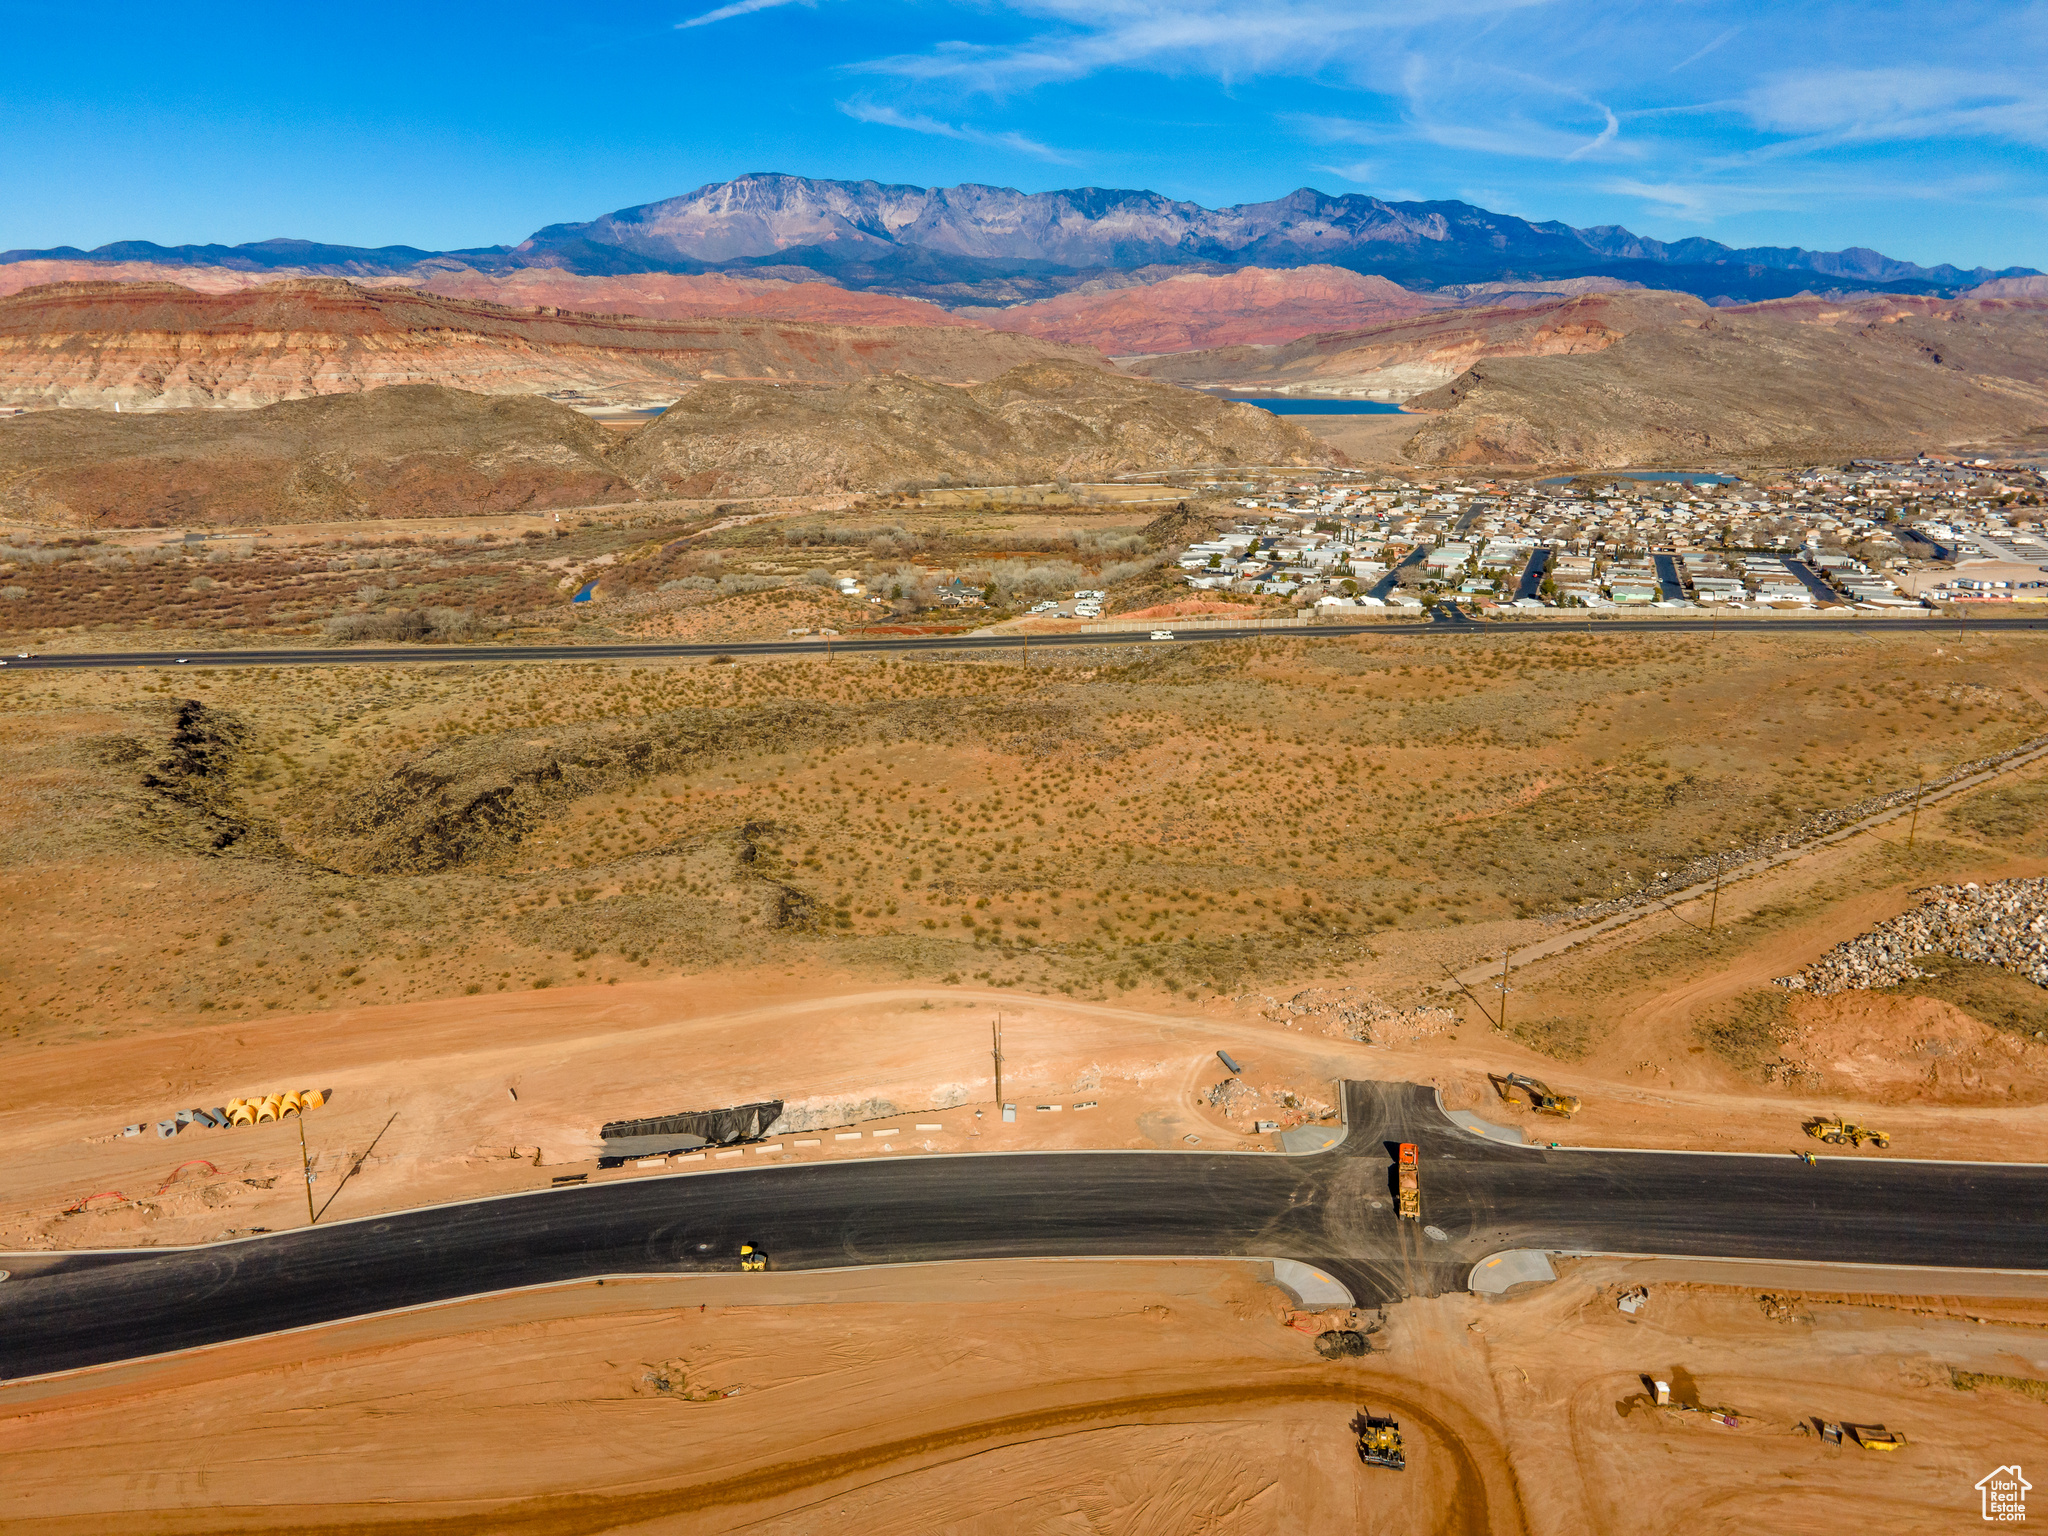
{"points": [[1289, 405], [1682, 476]]}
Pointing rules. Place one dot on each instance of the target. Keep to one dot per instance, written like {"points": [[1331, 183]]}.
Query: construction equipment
{"points": [[1875, 1437], [1408, 1183], [1379, 1441], [1837, 1132], [1540, 1095], [752, 1259]]}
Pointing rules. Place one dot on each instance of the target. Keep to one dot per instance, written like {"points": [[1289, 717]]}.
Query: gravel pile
{"points": [[2004, 924]]}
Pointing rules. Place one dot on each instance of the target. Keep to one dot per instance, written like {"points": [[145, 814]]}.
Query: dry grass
{"points": [[1198, 819]]}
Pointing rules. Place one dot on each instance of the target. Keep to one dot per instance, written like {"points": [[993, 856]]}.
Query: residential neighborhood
{"points": [[1873, 535]]}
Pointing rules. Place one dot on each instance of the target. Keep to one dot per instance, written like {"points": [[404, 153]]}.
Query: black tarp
{"points": [[688, 1129]]}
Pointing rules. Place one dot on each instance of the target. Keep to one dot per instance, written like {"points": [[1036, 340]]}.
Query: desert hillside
{"points": [[425, 450], [162, 345], [1043, 421], [1406, 355], [417, 450], [1793, 380], [1249, 306]]}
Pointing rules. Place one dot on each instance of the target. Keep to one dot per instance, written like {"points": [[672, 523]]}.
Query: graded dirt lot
{"points": [[1051, 1397]]}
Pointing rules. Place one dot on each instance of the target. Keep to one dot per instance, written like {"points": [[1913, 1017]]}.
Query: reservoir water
{"points": [[1293, 405]]}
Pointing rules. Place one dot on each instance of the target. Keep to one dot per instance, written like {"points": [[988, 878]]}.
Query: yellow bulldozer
{"points": [[1837, 1132], [1540, 1096]]}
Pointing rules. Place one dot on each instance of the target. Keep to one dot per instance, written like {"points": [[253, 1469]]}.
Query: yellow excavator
{"points": [[1540, 1096], [1837, 1132]]}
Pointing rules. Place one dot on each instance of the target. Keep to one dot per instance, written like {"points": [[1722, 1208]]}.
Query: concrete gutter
{"points": [[1515, 1266], [1311, 1286]]}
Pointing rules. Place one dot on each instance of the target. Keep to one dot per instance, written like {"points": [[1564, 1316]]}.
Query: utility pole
{"points": [[998, 1033], [306, 1162], [1714, 910], [1914, 825], [1504, 988]]}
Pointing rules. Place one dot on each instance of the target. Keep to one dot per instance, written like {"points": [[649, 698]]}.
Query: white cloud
{"points": [[917, 122], [1851, 105], [737, 8], [1700, 53], [1227, 39]]}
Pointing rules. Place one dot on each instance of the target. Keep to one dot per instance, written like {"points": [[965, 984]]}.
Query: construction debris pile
{"points": [[2004, 924], [1351, 1014], [1234, 1097]]}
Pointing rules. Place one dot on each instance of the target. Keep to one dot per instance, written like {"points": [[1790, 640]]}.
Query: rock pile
{"points": [[2004, 924]]}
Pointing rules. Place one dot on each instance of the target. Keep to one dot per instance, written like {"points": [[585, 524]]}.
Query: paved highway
{"points": [[1334, 1210], [399, 655]]}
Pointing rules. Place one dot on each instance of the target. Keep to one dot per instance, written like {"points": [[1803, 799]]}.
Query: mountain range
{"points": [[993, 246]]}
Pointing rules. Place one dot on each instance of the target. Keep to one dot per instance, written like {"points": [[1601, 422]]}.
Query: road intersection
{"points": [[1333, 1210]]}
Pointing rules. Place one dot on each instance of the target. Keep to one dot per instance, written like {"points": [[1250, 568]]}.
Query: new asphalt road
{"points": [[1333, 1209], [1447, 620]]}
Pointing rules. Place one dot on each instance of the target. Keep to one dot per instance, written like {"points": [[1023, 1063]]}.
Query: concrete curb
{"points": [[1509, 1268], [659, 1274]]}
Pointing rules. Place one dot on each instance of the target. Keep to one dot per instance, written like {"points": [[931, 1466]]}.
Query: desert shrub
{"points": [[13, 594], [1747, 1030], [1025, 578], [1561, 1039], [735, 584], [1095, 542], [2015, 817], [689, 584], [1124, 570], [408, 625]]}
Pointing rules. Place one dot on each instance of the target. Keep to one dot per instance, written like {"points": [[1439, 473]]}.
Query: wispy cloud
{"points": [[1865, 105], [917, 122], [1694, 57], [737, 8], [1226, 39]]}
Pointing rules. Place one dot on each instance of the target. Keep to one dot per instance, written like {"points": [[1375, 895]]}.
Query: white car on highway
{"points": [[1162, 634]]}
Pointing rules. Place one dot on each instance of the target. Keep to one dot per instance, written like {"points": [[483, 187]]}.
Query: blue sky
{"points": [[1921, 130]]}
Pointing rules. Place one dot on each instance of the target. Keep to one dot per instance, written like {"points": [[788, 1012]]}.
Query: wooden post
{"points": [[998, 1032], [1914, 825], [1714, 910], [306, 1162], [1504, 988]]}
